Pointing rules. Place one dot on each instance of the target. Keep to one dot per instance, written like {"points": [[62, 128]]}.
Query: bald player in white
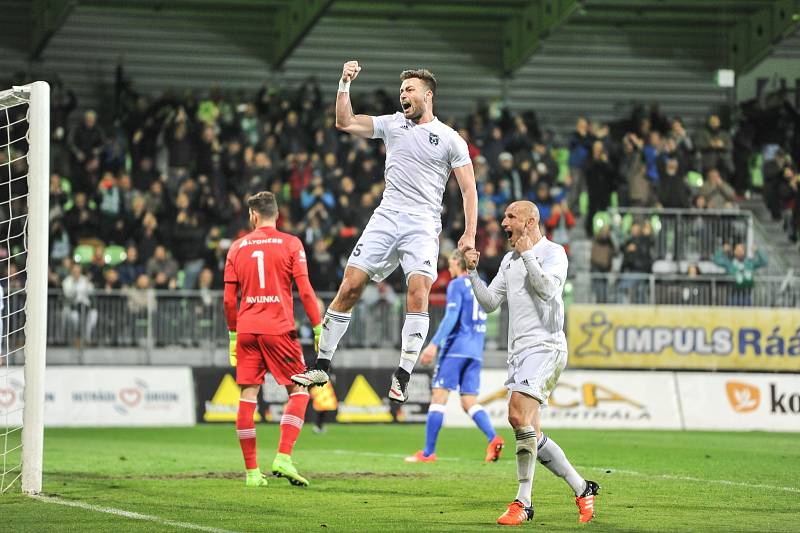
{"points": [[531, 279], [421, 153]]}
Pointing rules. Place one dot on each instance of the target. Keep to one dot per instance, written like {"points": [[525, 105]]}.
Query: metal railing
{"points": [[687, 234], [632, 288], [151, 320], [148, 320]]}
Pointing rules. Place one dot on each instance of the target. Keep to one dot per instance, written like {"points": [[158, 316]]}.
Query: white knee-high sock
{"points": [[415, 331], [334, 325], [526, 461], [555, 460]]}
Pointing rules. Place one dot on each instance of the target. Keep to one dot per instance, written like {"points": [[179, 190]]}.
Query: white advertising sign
{"points": [[768, 402], [82, 396], [587, 399]]}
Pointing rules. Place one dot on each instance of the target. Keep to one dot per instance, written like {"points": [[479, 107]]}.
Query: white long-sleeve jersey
{"points": [[532, 284]]}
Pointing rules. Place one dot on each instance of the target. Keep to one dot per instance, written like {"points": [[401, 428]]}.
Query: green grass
{"points": [[651, 481]]}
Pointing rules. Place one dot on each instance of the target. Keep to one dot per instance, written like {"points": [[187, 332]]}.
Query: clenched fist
{"points": [[466, 242], [471, 256], [350, 71]]}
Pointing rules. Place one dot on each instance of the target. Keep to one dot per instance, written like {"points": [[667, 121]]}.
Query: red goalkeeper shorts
{"points": [[257, 354]]}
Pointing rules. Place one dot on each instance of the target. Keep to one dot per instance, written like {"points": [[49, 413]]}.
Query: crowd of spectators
{"points": [[167, 178]]}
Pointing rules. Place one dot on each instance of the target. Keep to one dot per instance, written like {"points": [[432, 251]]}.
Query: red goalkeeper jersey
{"points": [[262, 264]]}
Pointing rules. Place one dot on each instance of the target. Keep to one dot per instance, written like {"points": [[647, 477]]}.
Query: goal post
{"points": [[36, 285], [24, 215]]}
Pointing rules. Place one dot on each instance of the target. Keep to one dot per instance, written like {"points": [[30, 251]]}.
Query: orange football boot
{"points": [[585, 501], [516, 514], [494, 449], [420, 457]]}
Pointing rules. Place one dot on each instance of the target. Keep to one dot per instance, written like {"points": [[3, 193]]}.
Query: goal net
{"points": [[24, 177]]}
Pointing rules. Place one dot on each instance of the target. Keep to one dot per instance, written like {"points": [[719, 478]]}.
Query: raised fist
{"points": [[350, 71]]}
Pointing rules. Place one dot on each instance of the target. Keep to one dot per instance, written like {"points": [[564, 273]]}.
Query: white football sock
{"points": [[415, 331], [526, 461], [334, 325], [555, 460]]}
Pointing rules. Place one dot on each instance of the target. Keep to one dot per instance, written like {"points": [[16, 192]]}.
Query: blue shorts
{"points": [[461, 374]]}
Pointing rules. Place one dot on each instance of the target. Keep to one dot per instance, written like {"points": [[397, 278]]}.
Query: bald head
{"points": [[521, 220], [525, 210]]}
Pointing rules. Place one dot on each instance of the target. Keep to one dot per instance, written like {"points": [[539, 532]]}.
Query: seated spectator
{"points": [[81, 221], [80, 316], [130, 269], [742, 269], [717, 193], [161, 263]]}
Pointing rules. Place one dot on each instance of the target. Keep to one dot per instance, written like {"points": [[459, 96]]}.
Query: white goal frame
{"points": [[38, 95]]}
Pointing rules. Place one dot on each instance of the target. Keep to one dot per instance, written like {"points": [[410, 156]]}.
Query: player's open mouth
{"points": [[509, 233], [406, 105]]}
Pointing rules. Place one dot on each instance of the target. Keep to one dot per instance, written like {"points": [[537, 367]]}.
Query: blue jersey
{"points": [[467, 335]]}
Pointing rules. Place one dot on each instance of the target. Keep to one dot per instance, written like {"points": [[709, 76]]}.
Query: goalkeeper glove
{"points": [[317, 333], [232, 347]]}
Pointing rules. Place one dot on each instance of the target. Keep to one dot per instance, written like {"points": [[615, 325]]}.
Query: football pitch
{"points": [[183, 479]]}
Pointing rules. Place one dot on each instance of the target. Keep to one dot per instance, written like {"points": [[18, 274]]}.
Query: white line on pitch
{"points": [[597, 468], [127, 514], [378, 454], [693, 479]]}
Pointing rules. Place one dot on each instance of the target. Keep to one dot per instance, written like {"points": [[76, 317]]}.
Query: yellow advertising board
{"points": [[663, 336]]}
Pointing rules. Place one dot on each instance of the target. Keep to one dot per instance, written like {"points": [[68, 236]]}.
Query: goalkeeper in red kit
{"points": [[258, 273]]}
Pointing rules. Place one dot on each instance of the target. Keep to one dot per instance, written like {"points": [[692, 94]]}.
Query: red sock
{"points": [[246, 430], [292, 421]]}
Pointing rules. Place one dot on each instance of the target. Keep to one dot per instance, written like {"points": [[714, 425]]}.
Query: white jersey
{"points": [[532, 283], [419, 159]]}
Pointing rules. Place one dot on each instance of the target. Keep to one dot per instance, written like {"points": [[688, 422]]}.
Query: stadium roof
{"points": [[749, 28]]}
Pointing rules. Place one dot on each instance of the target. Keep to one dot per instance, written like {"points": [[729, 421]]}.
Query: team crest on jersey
{"points": [[433, 139]]}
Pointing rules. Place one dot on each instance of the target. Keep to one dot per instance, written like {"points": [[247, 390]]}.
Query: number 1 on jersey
{"points": [[259, 255]]}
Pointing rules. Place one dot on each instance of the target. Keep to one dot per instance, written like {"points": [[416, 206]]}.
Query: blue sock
{"points": [[481, 420], [432, 427]]}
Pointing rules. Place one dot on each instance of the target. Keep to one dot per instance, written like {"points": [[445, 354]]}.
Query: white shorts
{"points": [[535, 372], [394, 238]]}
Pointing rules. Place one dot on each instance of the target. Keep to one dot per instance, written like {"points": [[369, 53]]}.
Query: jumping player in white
{"points": [[531, 278], [421, 152]]}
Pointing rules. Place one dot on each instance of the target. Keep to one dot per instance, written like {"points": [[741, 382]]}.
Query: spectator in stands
{"points": [[715, 147], [508, 174], [162, 264], [787, 195], [79, 314], [130, 269], [742, 269], [673, 191], [633, 170], [59, 197], [684, 147], [188, 238], [600, 179], [543, 163], [580, 150], [493, 147], [112, 223], [81, 221], [773, 177], [558, 224], [717, 193], [601, 261], [85, 143], [637, 260]]}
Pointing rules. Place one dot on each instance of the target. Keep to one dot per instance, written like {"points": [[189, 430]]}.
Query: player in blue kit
{"points": [[460, 337]]}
